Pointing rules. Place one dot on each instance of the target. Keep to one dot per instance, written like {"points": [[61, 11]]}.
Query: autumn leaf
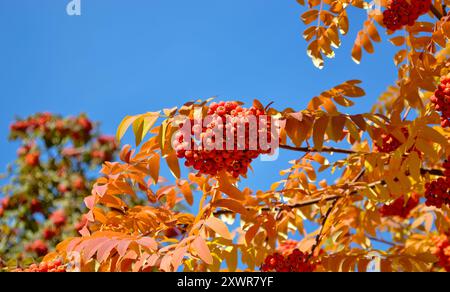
{"points": [[199, 245], [219, 227]]}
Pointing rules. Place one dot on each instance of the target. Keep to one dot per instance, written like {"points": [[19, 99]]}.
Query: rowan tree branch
{"points": [[315, 201], [319, 235], [327, 215], [324, 149], [435, 12]]}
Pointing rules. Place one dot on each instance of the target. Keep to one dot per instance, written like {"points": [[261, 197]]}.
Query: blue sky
{"points": [[127, 57]]}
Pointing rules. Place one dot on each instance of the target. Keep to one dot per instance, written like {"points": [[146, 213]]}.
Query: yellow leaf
{"points": [[149, 121], [138, 128], [434, 136], [124, 125]]}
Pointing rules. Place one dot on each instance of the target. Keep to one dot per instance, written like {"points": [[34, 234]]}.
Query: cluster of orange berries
{"points": [[296, 261], [44, 267], [402, 12], [437, 192], [442, 251], [441, 100], [226, 121], [399, 207]]}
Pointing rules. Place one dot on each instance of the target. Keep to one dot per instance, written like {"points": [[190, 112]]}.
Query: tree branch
{"points": [[327, 215], [436, 172], [319, 235], [324, 149], [315, 201], [435, 12]]}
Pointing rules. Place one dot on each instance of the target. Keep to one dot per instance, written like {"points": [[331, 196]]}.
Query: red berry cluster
{"points": [[442, 251], [38, 246], [44, 267], [58, 218], [4, 205], [225, 117], [402, 12], [297, 261], [78, 128], [389, 142], [437, 192], [441, 100], [33, 123], [399, 207]]}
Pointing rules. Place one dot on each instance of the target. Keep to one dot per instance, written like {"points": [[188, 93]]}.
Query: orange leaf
{"points": [[178, 256], [231, 205], [202, 250], [172, 162], [319, 129], [185, 189], [105, 249], [154, 167], [251, 233], [148, 242], [227, 188], [219, 227]]}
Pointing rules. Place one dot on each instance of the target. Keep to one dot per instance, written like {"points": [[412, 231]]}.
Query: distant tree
{"points": [[42, 198]]}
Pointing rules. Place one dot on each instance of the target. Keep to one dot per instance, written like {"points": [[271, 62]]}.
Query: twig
{"points": [[315, 201], [327, 215], [318, 239], [435, 12], [436, 172], [324, 149], [408, 110]]}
